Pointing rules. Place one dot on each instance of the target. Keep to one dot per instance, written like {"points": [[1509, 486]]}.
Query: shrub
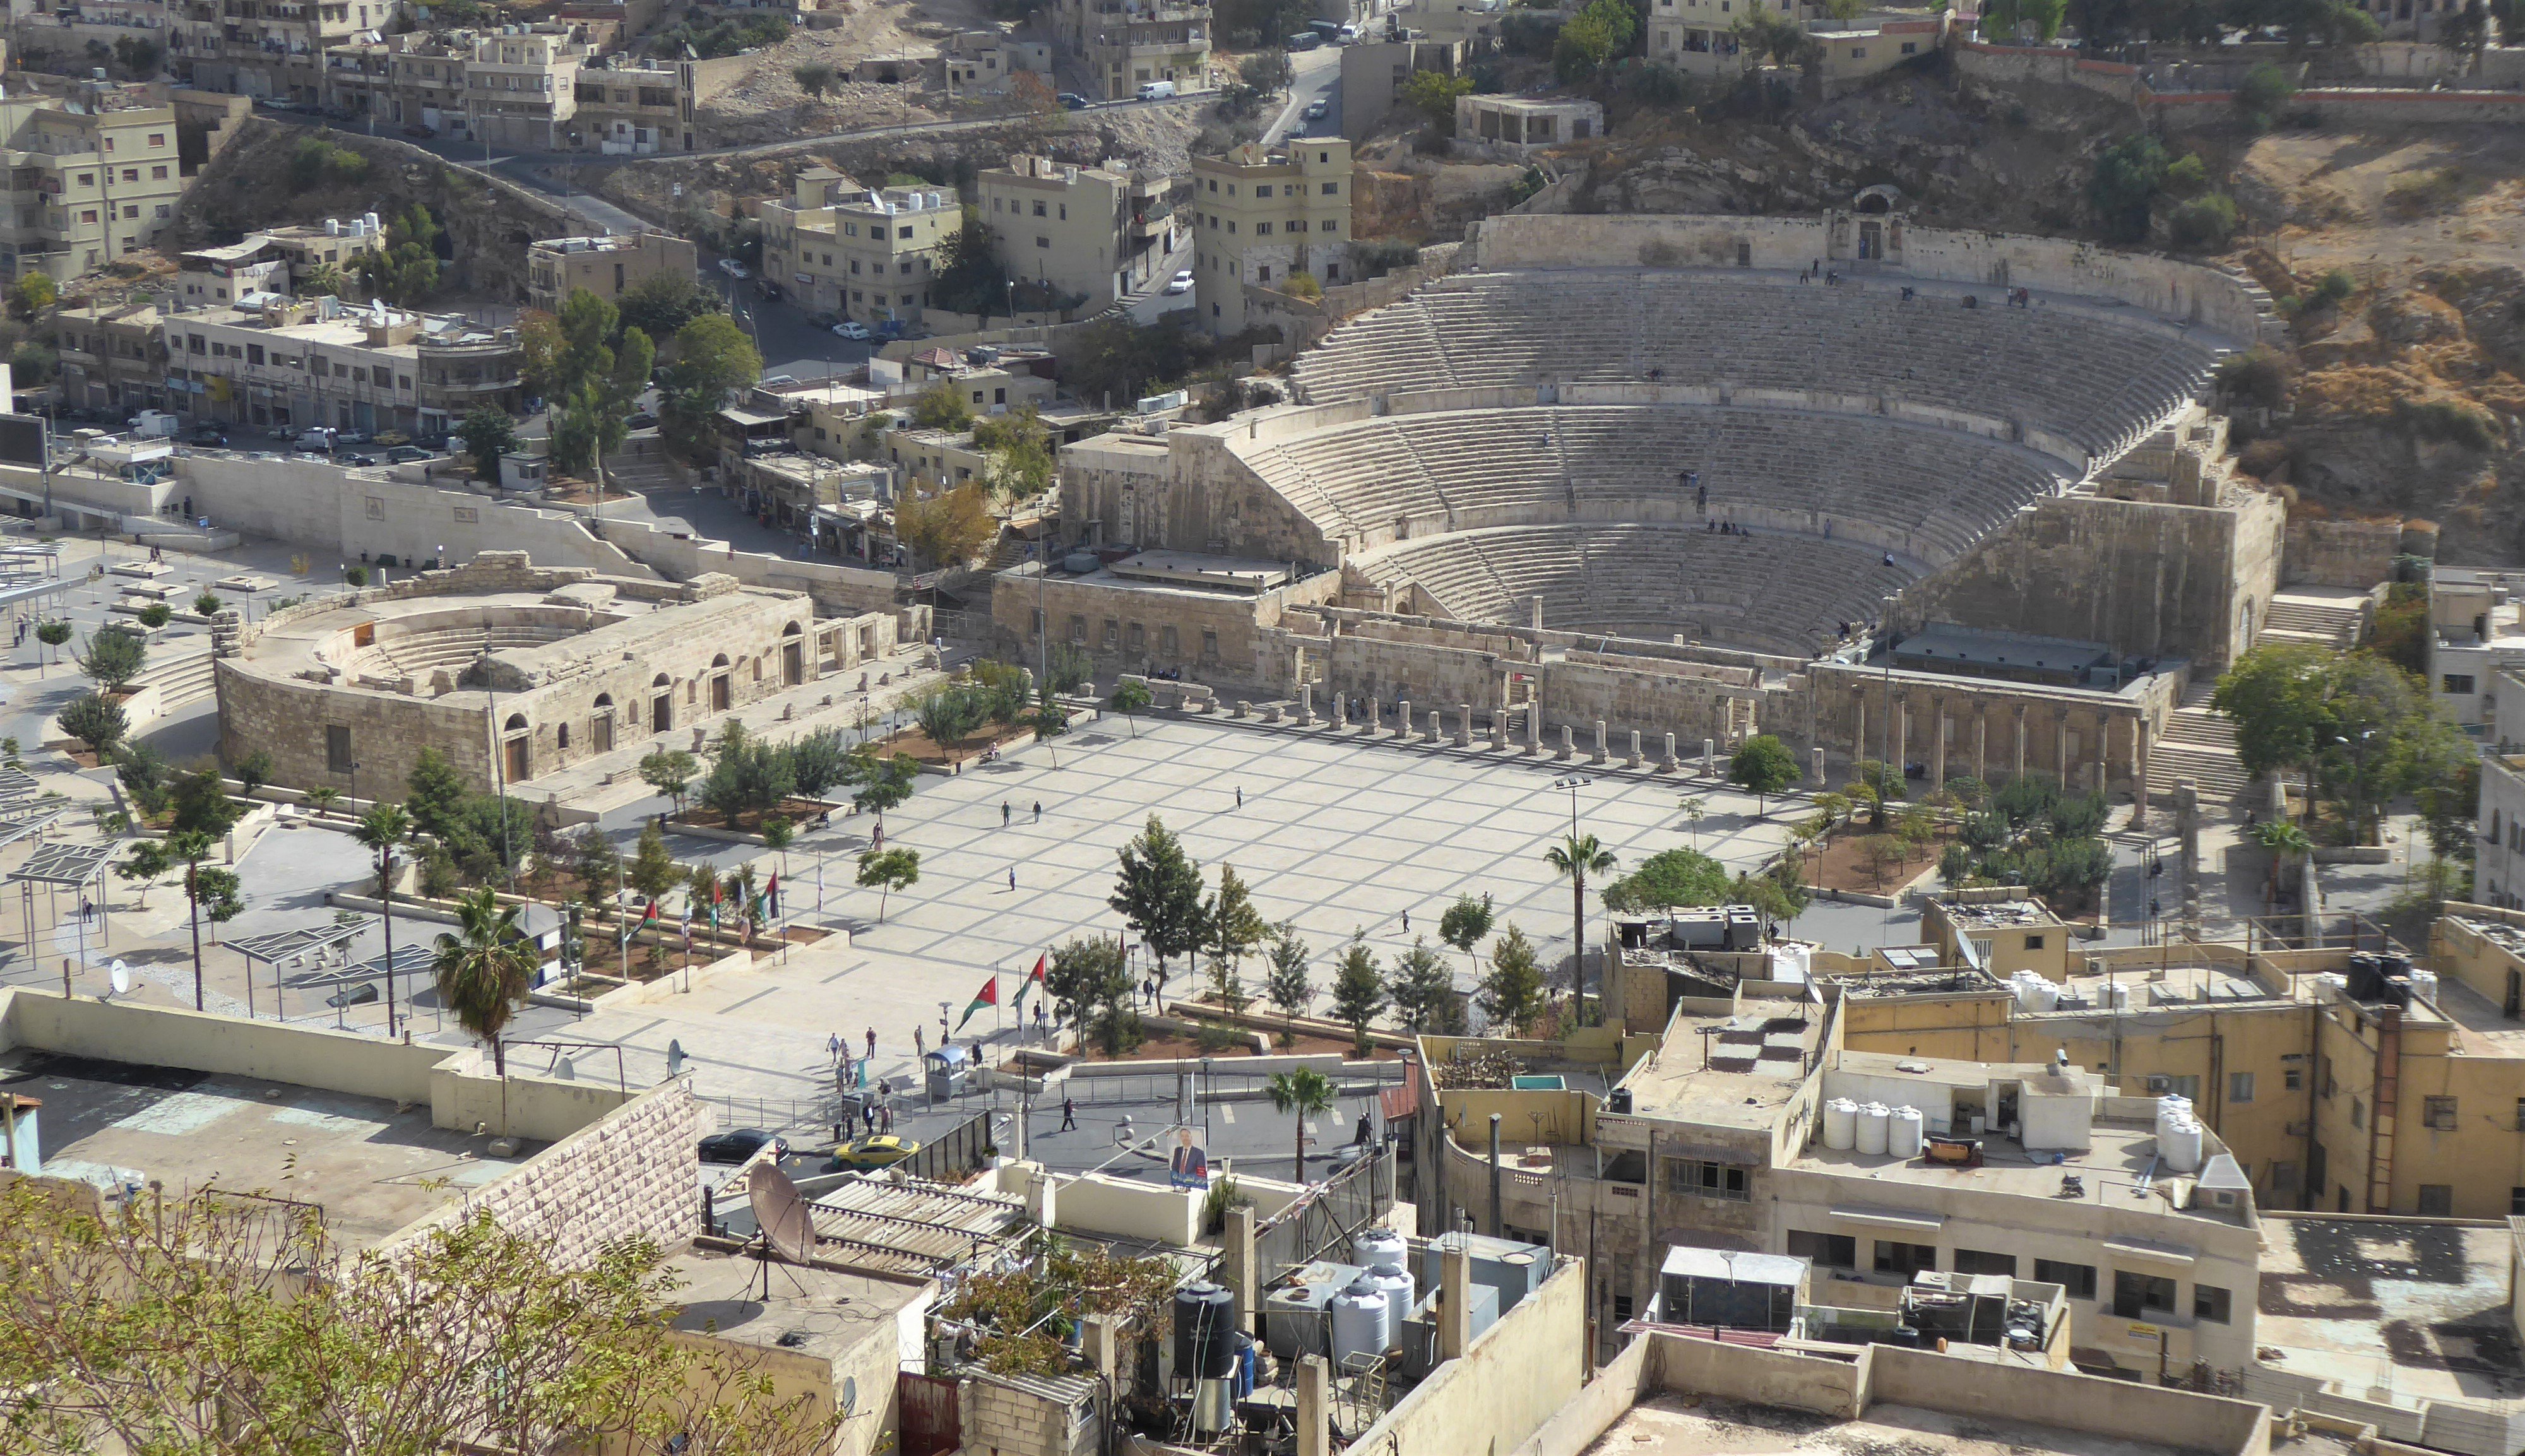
{"points": [[319, 163], [2263, 91], [1378, 257], [1302, 284], [2187, 176], [2450, 421], [2126, 179], [2206, 222], [1655, 83], [2253, 377], [93, 721]]}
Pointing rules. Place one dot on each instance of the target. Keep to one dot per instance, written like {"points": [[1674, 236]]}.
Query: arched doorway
{"points": [[793, 657], [517, 749], [600, 725], [662, 704], [723, 685]]}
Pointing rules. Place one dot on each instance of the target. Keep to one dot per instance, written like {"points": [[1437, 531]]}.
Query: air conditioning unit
{"points": [[2159, 1084]]}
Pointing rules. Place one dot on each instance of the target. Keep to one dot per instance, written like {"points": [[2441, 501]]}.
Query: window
{"points": [[2515, 1202], [2357, 1113], [2240, 1087], [1263, 229], [2291, 1080], [2033, 942], [253, 354], [2437, 1200], [337, 748], [2135, 1294], [2455, 682], [906, 231], [2282, 1176], [1905, 1259], [1262, 190], [1331, 225], [2438, 1113], [1332, 189], [1827, 1250], [1978, 1261], [1691, 1178], [2330, 1086], [2520, 1114], [2079, 1280], [158, 173], [2209, 1303], [1621, 1306], [1042, 242], [1038, 211]]}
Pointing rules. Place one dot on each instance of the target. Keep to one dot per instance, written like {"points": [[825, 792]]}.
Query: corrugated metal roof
{"points": [[910, 1227]]}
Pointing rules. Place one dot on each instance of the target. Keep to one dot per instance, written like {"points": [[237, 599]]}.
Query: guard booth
{"points": [[948, 1069]]}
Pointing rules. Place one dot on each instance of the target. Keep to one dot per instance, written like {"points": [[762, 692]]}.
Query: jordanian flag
{"points": [[1035, 979], [645, 921], [988, 995]]}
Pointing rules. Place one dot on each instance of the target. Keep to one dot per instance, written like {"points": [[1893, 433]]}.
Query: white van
{"points": [[320, 438], [1157, 90]]}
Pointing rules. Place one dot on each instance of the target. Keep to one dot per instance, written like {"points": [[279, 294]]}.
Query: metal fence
{"points": [[1195, 1088], [954, 1155], [1326, 1217]]}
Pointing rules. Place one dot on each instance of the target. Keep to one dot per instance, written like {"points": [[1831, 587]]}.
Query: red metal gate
{"points": [[931, 1423]]}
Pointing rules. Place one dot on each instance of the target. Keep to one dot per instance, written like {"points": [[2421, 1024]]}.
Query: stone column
{"points": [[2019, 770], [1568, 744], [1600, 743], [1902, 712], [1499, 729], [1708, 757], [1437, 727], [1305, 705], [1402, 719], [1981, 740], [1938, 764], [2060, 745], [1465, 725], [1534, 727], [1666, 763], [2139, 771], [1374, 723], [1819, 765], [2103, 753]]}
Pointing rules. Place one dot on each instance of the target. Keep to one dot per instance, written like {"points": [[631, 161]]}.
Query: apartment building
{"points": [[1699, 37], [271, 49], [86, 186], [861, 253], [557, 267], [111, 356], [337, 242], [1100, 231], [628, 109], [319, 362], [522, 85], [1126, 44], [1258, 216]]}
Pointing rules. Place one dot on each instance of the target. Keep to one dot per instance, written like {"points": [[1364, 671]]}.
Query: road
{"points": [[1317, 77]]}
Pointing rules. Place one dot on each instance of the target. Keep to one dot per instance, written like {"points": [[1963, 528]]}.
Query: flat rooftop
{"points": [[1676, 1424], [2406, 1311], [2122, 1157], [375, 1167], [2024, 914], [2481, 1027], [1728, 1071], [811, 1309]]}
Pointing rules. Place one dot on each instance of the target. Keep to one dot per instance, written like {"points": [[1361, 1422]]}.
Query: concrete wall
{"points": [[349, 1062], [2354, 554], [1512, 1380], [1122, 625], [2199, 295], [2116, 1409], [1094, 1204]]}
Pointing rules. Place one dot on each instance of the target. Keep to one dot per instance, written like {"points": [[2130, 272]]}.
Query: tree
{"points": [[819, 762], [485, 968], [813, 78], [94, 721], [113, 657], [31, 295], [383, 829], [1287, 982], [587, 426], [198, 802], [1233, 928], [1359, 991], [434, 793], [670, 772], [652, 871], [2126, 179], [1158, 893], [1762, 31], [155, 615], [1765, 765], [948, 715], [2038, 19], [253, 770], [713, 358], [1421, 989], [1511, 994], [1131, 697], [1592, 37], [53, 634], [1303, 1093], [1090, 976], [1695, 809], [884, 783], [661, 303], [886, 871], [211, 892], [1465, 923], [948, 530], [1667, 878], [1433, 93], [124, 1314], [323, 280], [971, 278], [488, 434], [1574, 858], [406, 271], [1067, 668]]}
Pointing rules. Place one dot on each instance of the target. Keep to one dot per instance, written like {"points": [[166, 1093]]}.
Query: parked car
{"points": [[732, 268], [1157, 90], [280, 104], [424, 133], [881, 1151], [1304, 40], [826, 319], [1073, 101], [318, 439], [208, 434], [359, 459], [850, 329], [736, 1145], [404, 455], [350, 437], [1316, 108], [1181, 282], [640, 419]]}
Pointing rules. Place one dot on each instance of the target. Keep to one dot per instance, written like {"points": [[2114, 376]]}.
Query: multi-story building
{"points": [[275, 262], [1098, 231], [628, 109], [2476, 630], [319, 362], [522, 85], [358, 78], [1259, 216], [864, 253], [270, 48], [341, 242], [1126, 44], [2499, 860], [89, 186], [557, 267], [427, 81], [111, 356]]}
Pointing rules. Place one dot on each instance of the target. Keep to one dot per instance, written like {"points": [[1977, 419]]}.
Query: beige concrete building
{"points": [[1259, 216], [1374, 73], [112, 358], [521, 86], [1126, 44], [606, 266], [1098, 231], [866, 255], [319, 362], [253, 48], [1521, 125], [580, 666], [87, 186], [644, 108], [341, 242]]}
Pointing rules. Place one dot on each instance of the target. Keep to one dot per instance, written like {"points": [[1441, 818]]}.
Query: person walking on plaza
{"points": [[920, 1041], [1240, 795], [1012, 879], [1004, 814], [1068, 1114], [1038, 811], [833, 1045], [871, 1040]]}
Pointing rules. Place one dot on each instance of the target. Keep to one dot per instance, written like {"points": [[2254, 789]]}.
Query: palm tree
{"points": [[379, 831], [1575, 858], [485, 968], [1305, 1091]]}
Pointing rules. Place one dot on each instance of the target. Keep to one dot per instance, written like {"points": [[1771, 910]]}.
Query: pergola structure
{"points": [[289, 949], [59, 867]]}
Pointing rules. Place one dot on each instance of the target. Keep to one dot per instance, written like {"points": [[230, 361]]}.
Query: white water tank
{"points": [[1841, 1124], [1904, 1131], [1871, 1129], [2424, 986], [1362, 1323], [2041, 995], [2172, 1108], [2330, 988], [2180, 1145], [2117, 996], [1399, 1291], [1379, 1248]]}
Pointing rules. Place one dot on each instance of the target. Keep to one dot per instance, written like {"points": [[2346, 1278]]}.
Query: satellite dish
{"points": [[122, 978], [780, 1213], [850, 1393], [674, 1059]]}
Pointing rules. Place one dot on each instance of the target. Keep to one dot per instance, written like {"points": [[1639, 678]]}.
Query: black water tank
{"points": [[1204, 1318]]}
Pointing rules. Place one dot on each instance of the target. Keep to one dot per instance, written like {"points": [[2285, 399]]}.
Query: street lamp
{"points": [[1573, 782]]}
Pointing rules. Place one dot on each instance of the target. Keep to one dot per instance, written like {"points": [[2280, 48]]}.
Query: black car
{"points": [[209, 434], [737, 1144], [1073, 101], [640, 420]]}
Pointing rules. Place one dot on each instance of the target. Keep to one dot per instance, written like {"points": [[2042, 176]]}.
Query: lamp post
{"points": [[1573, 782]]}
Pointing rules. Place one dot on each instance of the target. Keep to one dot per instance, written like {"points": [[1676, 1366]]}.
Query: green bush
{"points": [[2126, 180], [2187, 176], [2333, 287], [2253, 377], [2263, 91], [2450, 421], [1528, 35], [1653, 83], [319, 163], [1377, 256], [2206, 223]]}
